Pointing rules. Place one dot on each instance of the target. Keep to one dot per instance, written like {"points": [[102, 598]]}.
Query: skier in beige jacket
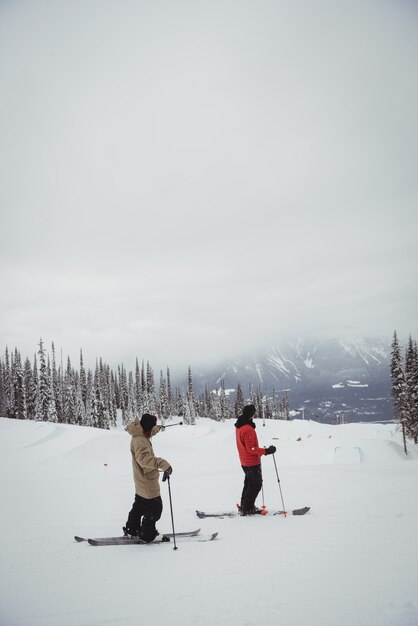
{"points": [[147, 507]]}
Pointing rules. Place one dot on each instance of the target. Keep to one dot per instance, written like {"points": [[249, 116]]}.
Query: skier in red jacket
{"points": [[250, 456]]}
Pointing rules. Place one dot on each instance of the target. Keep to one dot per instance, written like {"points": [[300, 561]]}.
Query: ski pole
{"points": [[171, 509], [278, 480], [169, 425]]}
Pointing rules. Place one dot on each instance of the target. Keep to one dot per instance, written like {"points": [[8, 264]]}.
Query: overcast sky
{"points": [[184, 180]]}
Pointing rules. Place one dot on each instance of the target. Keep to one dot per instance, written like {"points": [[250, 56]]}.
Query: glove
{"points": [[167, 474], [271, 450]]}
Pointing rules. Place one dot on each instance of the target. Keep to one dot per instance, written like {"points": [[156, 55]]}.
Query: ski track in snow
{"points": [[351, 561]]}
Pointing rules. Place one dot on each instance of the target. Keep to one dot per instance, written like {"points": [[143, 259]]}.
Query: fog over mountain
{"points": [[325, 379]]}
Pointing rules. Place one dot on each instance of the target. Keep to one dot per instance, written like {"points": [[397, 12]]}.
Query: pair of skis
{"points": [[192, 535], [203, 514]]}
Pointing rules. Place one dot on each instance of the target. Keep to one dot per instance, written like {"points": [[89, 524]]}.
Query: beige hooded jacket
{"points": [[145, 464]]}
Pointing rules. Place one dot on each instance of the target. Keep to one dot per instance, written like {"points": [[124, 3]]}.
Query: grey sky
{"points": [[184, 180]]}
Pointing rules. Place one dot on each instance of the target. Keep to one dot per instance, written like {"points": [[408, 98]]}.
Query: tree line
{"points": [[404, 374], [45, 390]]}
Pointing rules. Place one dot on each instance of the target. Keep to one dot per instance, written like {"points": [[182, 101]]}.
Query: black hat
{"points": [[248, 411], [148, 422]]}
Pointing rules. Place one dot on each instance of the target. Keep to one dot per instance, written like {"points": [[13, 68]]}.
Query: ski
{"points": [[203, 515], [190, 533], [126, 541]]}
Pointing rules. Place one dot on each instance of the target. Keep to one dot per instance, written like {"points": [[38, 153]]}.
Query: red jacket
{"points": [[247, 443]]}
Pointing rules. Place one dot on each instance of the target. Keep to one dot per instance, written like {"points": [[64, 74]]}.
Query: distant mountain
{"points": [[329, 378]]}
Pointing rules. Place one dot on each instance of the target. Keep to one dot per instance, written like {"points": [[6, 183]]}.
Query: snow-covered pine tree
{"points": [[163, 397], [35, 390], [286, 405], [190, 411], [138, 388], [56, 385], [102, 420], [399, 390], [52, 408], [44, 384], [179, 400], [90, 402], [27, 375], [83, 380], [152, 403], [123, 395], [69, 395], [115, 383], [132, 408], [112, 399], [169, 394], [216, 410], [205, 403], [223, 402], [411, 389], [2, 393], [80, 408], [414, 429], [8, 385], [144, 392], [239, 401], [19, 393]]}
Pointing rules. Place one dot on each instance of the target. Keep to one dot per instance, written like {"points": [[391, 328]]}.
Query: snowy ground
{"points": [[353, 560]]}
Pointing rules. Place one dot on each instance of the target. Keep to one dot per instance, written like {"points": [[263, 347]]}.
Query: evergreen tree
{"points": [[35, 390], [112, 399], [101, 418], [286, 406], [138, 388], [70, 416], [19, 394], [144, 392], [399, 394], [28, 378], [223, 402], [80, 408], [83, 381], [52, 408], [123, 390], [410, 401], [239, 401], [56, 386], [2, 391], [169, 394], [8, 385], [190, 412], [44, 385], [90, 418], [216, 410], [132, 410], [163, 397], [151, 397]]}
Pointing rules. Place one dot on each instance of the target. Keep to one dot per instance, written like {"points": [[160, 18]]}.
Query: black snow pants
{"points": [[142, 517], [252, 486]]}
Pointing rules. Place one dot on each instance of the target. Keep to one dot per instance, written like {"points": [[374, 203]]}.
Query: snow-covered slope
{"points": [[353, 560]]}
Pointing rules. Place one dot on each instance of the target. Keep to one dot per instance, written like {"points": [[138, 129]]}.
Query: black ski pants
{"points": [[252, 485], [142, 517]]}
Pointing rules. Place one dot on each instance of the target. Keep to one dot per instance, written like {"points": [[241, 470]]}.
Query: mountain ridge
{"points": [[331, 379]]}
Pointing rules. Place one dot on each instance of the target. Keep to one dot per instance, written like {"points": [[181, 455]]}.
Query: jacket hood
{"points": [[134, 428], [243, 421]]}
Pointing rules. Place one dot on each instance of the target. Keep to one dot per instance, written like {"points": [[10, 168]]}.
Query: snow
{"points": [[352, 560], [350, 383]]}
